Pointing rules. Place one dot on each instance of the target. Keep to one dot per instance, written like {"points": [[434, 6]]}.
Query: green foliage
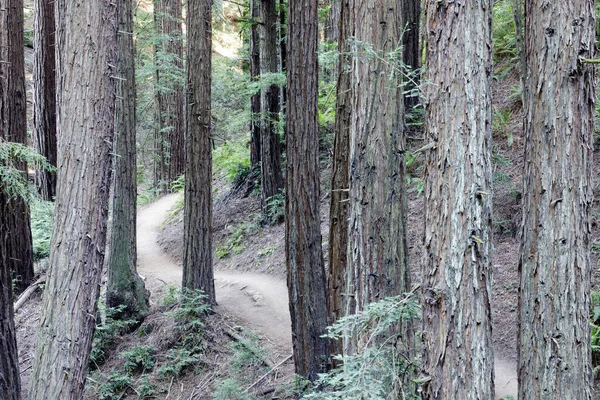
{"points": [[189, 315], [503, 32], [276, 208], [107, 332], [229, 389], [236, 240], [171, 295], [178, 184], [501, 125], [595, 328], [380, 368], [138, 358], [178, 362], [115, 386], [13, 177], [41, 227], [232, 160]]}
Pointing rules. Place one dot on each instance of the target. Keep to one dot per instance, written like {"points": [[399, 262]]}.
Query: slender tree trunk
{"points": [[554, 333], [44, 94], [338, 212], [283, 56], [125, 287], [254, 76], [332, 24], [304, 255], [197, 258], [411, 16], [457, 266], [377, 246], [86, 56], [13, 128], [270, 147]]}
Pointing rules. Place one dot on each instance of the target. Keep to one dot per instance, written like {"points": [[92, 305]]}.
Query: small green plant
{"points": [[232, 160], [276, 208], [115, 386], [178, 362], [42, 213], [501, 125], [107, 332], [236, 240], [178, 184], [171, 294], [267, 251], [380, 368], [595, 330], [13, 179], [138, 358], [189, 316]]}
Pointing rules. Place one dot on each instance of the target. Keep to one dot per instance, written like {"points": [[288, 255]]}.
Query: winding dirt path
{"points": [[260, 301]]}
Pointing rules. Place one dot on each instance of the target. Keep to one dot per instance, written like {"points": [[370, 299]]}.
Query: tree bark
{"points": [[411, 17], [44, 94], [13, 128], [457, 266], [338, 211], [197, 258], [125, 287], [332, 24], [554, 335], [377, 244], [518, 15], [304, 255], [86, 44], [254, 76], [270, 147], [168, 17]]}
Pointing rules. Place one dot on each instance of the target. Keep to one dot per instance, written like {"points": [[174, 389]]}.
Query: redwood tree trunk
{"points": [[338, 212], [197, 257], [254, 75], [270, 147], [377, 244], [457, 267], [554, 333], [86, 42], [44, 94], [304, 255], [411, 16], [332, 23], [13, 128], [125, 287]]}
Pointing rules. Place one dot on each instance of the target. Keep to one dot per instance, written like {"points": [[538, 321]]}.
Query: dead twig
{"points": [[28, 292], [268, 373]]}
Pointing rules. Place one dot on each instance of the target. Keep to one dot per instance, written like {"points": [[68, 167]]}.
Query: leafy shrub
{"points": [[41, 227], [138, 358], [503, 31], [178, 362], [379, 369], [107, 332], [232, 160], [235, 242]]}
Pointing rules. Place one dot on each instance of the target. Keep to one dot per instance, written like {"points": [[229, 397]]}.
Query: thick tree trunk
{"points": [[554, 333], [254, 76], [197, 258], [304, 255], [270, 147], [338, 212], [167, 18], [13, 128], [44, 94], [125, 287], [411, 17], [283, 67], [457, 266], [377, 246], [86, 44]]}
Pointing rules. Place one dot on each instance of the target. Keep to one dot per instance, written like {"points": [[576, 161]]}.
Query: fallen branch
{"points": [[268, 373], [28, 292], [243, 342]]}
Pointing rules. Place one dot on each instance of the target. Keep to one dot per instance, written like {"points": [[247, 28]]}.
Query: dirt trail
{"points": [[261, 301]]}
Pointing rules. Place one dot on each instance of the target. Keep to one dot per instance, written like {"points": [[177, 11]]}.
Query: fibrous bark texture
{"points": [[44, 94], [13, 128], [332, 23], [86, 56], [554, 333], [338, 214], [125, 287], [457, 265], [411, 16], [377, 247], [197, 258], [254, 75], [304, 254], [270, 148]]}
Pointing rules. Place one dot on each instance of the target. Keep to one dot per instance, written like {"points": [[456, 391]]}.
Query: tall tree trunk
{"points": [[457, 266], [13, 128], [44, 94], [304, 254], [254, 76], [125, 287], [411, 17], [332, 23], [554, 333], [86, 44], [377, 244], [338, 212], [169, 58], [283, 56], [270, 147], [197, 258]]}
